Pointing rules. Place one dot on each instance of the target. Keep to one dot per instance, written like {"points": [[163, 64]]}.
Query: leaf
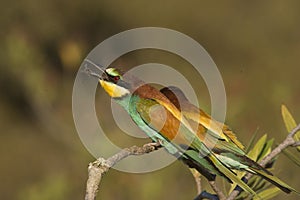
{"points": [[268, 193], [254, 153], [239, 174], [242, 195], [260, 185], [289, 122], [292, 156], [251, 143], [253, 181], [257, 149], [288, 119], [267, 148]]}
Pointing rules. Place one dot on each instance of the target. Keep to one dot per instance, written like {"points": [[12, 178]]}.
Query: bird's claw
{"points": [[157, 144]]}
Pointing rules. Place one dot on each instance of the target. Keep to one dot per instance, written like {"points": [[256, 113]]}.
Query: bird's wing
{"points": [[163, 121], [159, 116], [192, 112], [226, 154]]}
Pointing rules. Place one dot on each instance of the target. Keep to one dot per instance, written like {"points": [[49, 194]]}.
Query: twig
{"points": [[296, 144], [98, 168], [289, 141], [214, 186], [197, 177]]}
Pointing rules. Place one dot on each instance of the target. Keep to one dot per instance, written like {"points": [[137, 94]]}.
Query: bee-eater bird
{"points": [[184, 130]]}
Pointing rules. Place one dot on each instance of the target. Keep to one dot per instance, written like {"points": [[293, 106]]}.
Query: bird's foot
{"points": [[157, 144]]}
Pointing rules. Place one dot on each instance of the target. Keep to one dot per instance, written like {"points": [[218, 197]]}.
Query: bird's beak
{"points": [[114, 90], [92, 73]]}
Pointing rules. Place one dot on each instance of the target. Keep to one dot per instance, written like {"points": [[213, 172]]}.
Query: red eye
{"points": [[116, 78]]}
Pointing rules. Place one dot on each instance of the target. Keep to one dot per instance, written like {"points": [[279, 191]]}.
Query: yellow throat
{"points": [[114, 90]]}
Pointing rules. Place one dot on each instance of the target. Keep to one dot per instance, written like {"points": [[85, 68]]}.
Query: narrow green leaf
{"points": [[289, 122], [251, 143], [267, 148], [260, 185], [249, 147], [256, 150], [292, 156], [252, 181], [243, 195], [257, 179], [288, 119], [268, 193]]}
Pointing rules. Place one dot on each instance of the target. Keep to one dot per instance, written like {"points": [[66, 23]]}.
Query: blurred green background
{"points": [[256, 46]]}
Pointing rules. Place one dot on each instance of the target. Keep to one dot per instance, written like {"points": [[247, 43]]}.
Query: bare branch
{"points": [[294, 131], [197, 177], [219, 192], [289, 141], [98, 168], [296, 144]]}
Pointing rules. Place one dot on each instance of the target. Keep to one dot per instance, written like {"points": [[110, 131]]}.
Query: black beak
{"points": [[92, 73]]}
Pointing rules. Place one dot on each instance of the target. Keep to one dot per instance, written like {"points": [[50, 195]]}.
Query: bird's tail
{"points": [[275, 181], [231, 175], [264, 173]]}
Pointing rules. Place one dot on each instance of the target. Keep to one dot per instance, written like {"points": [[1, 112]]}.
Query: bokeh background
{"points": [[256, 46]]}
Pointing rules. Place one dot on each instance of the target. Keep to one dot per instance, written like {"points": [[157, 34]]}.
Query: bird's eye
{"points": [[113, 74], [116, 78]]}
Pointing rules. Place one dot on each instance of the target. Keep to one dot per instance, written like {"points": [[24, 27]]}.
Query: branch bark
{"points": [[98, 168], [197, 177], [217, 190]]}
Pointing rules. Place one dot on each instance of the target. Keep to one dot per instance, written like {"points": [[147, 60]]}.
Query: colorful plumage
{"points": [[184, 130]]}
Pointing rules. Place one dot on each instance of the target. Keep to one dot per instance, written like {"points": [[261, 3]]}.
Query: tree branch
{"points": [[99, 167], [197, 177], [289, 141], [219, 192]]}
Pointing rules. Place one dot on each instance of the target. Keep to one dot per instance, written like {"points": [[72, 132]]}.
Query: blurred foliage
{"points": [[55, 187], [256, 46]]}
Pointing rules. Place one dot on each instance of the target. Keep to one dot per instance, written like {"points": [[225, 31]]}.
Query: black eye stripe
{"points": [[113, 78], [113, 75]]}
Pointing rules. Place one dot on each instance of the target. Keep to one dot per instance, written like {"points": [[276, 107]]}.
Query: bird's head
{"points": [[115, 82]]}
